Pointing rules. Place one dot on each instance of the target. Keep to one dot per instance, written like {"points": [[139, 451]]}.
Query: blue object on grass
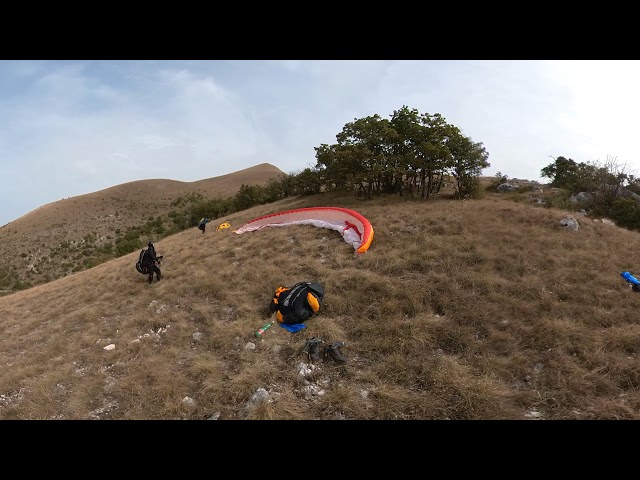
{"points": [[293, 328], [630, 278]]}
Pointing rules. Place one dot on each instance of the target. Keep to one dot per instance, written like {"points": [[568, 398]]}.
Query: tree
{"points": [[406, 123], [247, 197], [372, 138], [561, 172], [411, 150], [308, 182], [574, 177], [468, 161]]}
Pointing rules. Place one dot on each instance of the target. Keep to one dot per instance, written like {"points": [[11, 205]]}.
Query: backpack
{"points": [[202, 223], [292, 303], [139, 267]]}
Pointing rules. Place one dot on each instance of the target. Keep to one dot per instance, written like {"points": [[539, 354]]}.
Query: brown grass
{"points": [[28, 244], [483, 309]]}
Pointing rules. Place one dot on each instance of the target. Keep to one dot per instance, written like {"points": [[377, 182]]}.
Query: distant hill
{"points": [[27, 243]]}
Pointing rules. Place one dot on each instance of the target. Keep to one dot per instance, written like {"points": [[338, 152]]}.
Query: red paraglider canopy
{"points": [[354, 228]]}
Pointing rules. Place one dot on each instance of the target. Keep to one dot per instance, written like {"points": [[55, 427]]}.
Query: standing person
{"points": [[202, 224], [149, 261]]}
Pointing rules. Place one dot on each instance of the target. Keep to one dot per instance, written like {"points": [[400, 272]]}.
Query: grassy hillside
{"points": [[481, 309], [75, 233]]}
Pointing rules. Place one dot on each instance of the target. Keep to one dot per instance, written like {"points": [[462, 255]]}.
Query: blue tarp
{"points": [[293, 328]]}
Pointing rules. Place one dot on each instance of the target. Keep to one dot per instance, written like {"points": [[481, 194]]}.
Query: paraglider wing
{"points": [[354, 228]]}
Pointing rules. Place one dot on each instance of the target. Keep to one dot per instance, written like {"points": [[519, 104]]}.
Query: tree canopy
{"points": [[410, 152]]}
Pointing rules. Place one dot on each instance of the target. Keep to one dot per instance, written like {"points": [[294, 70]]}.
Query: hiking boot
{"points": [[334, 352], [312, 348]]}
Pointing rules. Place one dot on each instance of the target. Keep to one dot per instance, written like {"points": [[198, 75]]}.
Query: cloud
{"points": [[74, 127]]}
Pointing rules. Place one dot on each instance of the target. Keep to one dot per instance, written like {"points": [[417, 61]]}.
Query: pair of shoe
{"points": [[314, 349]]}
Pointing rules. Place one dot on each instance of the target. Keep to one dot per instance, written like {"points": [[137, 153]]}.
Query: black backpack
{"points": [[293, 303], [139, 266]]}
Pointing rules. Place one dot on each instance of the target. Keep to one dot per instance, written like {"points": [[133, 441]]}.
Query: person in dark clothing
{"points": [[202, 224], [149, 261]]}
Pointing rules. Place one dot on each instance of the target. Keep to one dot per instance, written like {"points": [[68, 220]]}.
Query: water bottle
{"points": [[263, 329]]}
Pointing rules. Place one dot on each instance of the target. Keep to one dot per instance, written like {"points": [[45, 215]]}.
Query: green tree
{"points": [[339, 166], [308, 182], [247, 197], [371, 140], [468, 161], [433, 154], [626, 213], [572, 176], [407, 124]]}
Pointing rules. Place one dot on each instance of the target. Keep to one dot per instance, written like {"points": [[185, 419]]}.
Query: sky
{"points": [[73, 127]]}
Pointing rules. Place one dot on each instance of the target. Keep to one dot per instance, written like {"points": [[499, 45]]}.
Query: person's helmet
{"points": [[150, 244]]}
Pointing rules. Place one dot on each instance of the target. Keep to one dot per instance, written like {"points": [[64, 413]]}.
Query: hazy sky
{"points": [[74, 127]]}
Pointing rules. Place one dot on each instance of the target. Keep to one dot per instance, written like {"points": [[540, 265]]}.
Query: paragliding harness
{"points": [[201, 224], [140, 266], [297, 304]]}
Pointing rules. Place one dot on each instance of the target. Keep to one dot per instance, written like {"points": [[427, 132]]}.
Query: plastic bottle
{"points": [[263, 329]]}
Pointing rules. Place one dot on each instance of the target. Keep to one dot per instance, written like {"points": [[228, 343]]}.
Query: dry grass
{"points": [[484, 309], [30, 246]]}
